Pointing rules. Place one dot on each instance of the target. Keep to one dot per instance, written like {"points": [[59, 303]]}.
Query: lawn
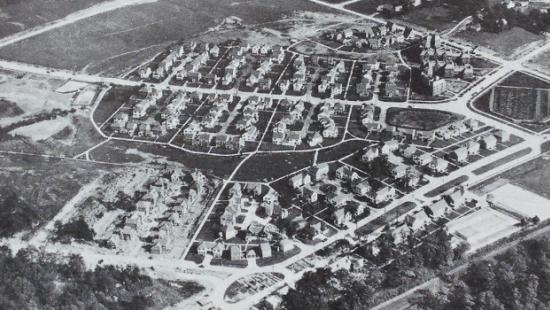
{"points": [[534, 176], [341, 150], [502, 161], [447, 186], [504, 43], [520, 79], [113, 42], [421, 119], [268, 167]]}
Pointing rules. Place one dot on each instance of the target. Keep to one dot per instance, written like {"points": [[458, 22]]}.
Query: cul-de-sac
{"points": [[275, 154]]}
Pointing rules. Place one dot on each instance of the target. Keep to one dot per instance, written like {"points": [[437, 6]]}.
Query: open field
{"points": [[502, 161], [432, 17], [16, 16], [136, 152], [267, 167], [533, 176], [505, 43], [122, 39], [32, 95], [541, 62], [33, 189], [421, 119], [365, 6]]}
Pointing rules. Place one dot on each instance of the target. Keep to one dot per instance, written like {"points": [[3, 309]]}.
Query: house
{"points": [[472, 124], [423, 159], [251, 254], [502, 136], [310, 195], [299, 180], [265, 250], [382, 195], [409, 152], [399, 171], [235, 252], [205, 247], [315, 139], [460, 155], [346, 173], [284, 85], [439, 165], [417, 221], [320, 171], [286, 245], [336, 200], [473, 148], [389, 147], [265, 84], [229, 232], [438, 209], [413, 179], [400, 233], [362, 188], [340, 216], [370, 155], [489, 142]]}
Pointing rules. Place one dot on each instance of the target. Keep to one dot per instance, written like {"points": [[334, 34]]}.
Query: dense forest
{"points": [[34, 280], [517, 279], [325, 289]]}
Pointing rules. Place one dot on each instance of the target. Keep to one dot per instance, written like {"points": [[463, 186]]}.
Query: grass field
{"points": [[267, 167], [504, 43], [432, 17], [502, 161], [134, 152], [520, 79], [421, 119], [17, 16], [116, 41], [533, 176], [447, 186], [365, 6]]}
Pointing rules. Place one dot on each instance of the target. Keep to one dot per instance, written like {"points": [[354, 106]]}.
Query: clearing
{"points": [[114, 42], [420, 119]]}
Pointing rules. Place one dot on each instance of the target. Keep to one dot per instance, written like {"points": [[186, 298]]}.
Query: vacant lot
{"points": [[268, 167], [432, 17], [447, 186], [134, 152], [17, 15], [365, 6], [33, 189], [504, 43], [499, 162], [533, 176], [116, 41], [520, 79], [421, 119]]}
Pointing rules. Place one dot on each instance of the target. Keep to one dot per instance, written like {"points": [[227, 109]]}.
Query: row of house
{"points": [[418, 220]]}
